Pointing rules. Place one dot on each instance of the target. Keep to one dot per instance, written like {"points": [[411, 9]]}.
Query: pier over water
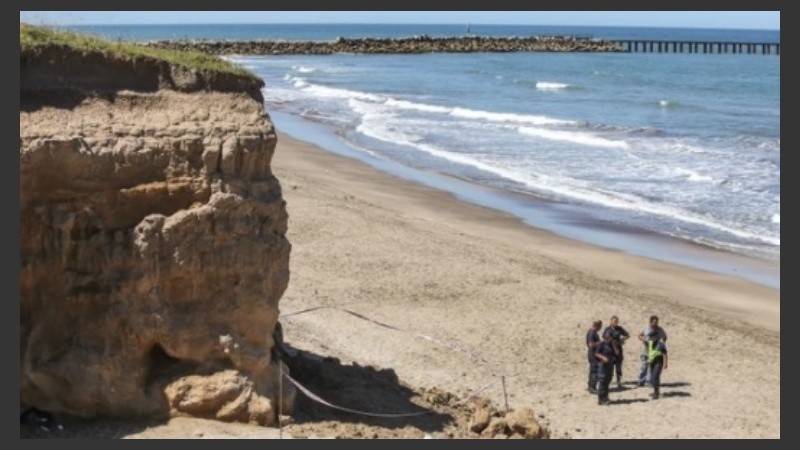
{"points": [[659, 46]]}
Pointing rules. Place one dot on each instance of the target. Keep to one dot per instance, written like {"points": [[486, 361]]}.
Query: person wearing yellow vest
{"points": [[652, 327], [657, 361]]}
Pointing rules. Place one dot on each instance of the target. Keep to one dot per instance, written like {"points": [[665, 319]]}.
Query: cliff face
{"points": [[153, 250]]}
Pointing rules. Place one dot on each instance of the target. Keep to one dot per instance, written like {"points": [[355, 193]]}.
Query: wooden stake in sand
{"points": [[505, 396]]}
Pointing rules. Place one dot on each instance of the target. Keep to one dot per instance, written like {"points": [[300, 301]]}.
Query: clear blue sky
{"points": [[689, 19]]}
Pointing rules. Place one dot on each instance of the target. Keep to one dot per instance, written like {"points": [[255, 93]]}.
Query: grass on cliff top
{"points": [[31, 37]]}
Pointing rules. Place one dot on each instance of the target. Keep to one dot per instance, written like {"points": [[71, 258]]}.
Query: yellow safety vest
{"points": [[652, 352]]}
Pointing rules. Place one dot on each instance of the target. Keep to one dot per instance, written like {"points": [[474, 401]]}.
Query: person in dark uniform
{"points": [[606, 355], [592, 340], [618, 337], [657, 360]]}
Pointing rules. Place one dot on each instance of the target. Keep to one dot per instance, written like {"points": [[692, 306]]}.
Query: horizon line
{"points": [[409, 23]]}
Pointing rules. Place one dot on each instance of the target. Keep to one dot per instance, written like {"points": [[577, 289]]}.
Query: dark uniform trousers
{"points": [[655, 372], [594, 367], [605, 372], [618, 365]]}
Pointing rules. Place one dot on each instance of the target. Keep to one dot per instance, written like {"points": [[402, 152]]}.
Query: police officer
{"points": [[618, 337], [592, 340], [606, 355]]}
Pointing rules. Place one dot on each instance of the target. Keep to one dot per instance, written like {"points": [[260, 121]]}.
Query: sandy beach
{"points": [[516, 301], [522, 299]]}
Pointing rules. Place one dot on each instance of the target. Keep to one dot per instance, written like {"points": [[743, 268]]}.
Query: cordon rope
{"points": [[452, 346]]}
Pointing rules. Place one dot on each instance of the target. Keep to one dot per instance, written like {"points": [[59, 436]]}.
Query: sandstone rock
{"points": [[226, 395], [523, 421], [480, 420], [497, 425], [152, 257]]}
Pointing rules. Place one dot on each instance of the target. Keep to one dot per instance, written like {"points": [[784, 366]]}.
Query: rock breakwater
{"points": [[416, 44]]}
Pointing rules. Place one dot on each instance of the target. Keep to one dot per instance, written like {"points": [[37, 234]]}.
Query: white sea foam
{"points": [[302, 69], [464, 113], [297, 82], [547, 85], [776, 218], [697, 178], [576, 137], [693, 176], [279, 95], [329, 92], [506, 117], [375, 126], [404, 104]]}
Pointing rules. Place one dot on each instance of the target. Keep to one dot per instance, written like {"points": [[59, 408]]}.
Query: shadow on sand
{"points": [[676, 394], [627, 401], [356, 387], [676, 384], [352, 386], [64, 427]]}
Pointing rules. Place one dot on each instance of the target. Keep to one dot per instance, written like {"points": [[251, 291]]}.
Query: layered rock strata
{"points": [[153, 251]]}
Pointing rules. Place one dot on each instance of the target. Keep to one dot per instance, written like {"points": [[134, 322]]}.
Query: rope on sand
{"points": [[322, 401], [452, 346]]}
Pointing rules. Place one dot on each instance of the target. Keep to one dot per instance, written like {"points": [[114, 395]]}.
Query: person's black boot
{"points": [[654, 395]]}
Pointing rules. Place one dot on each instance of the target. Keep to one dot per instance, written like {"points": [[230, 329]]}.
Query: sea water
{"points": [[682, 145]]}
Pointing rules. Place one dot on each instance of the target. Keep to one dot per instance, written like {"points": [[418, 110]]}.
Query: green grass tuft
{"points": [[32, 37]]}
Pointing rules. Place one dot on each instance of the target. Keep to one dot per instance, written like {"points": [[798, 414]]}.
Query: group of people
{"points": [[605, 356]]}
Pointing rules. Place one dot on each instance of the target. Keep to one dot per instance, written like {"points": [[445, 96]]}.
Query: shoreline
{"points": [[423, 260], [572, 221], [595, 259]]}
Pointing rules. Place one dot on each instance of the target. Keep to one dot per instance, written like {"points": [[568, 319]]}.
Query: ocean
{"points": [[679, 145]]}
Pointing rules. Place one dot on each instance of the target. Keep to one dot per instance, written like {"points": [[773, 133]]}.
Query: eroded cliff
{"points": [[153, 250]]}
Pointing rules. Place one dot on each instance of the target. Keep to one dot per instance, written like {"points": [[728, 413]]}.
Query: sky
{"points": [[768, 20]]}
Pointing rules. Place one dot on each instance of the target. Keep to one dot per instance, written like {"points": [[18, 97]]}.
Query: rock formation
{"points": [[415, 44], [153, 250]]}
